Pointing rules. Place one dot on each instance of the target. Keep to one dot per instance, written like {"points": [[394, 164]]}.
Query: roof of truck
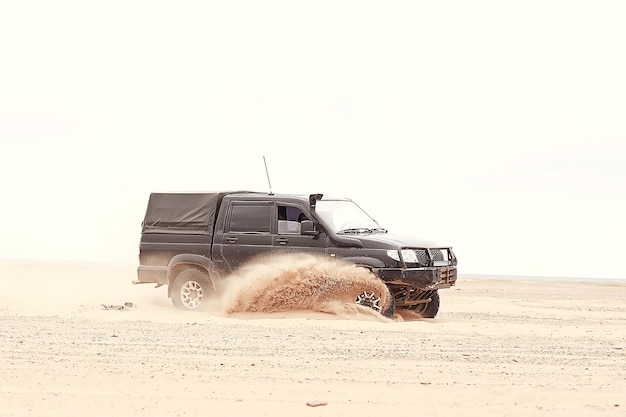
{"points": [[194, 212]]}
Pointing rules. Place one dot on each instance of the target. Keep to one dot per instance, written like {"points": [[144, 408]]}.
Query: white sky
{"points": [[496, 127]]}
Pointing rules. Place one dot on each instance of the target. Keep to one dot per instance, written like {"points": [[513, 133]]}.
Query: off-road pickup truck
{"points": [[190, 241]]}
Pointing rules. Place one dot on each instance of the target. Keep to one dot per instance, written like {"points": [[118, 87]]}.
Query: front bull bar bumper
{"points": [[431, 278]]}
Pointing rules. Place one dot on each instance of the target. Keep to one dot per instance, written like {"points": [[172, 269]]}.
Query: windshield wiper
{"points": [[356, 230]]}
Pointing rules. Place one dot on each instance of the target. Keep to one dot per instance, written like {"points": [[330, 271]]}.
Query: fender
{"points": [[189, 259], [345, 242], [365, 261]]}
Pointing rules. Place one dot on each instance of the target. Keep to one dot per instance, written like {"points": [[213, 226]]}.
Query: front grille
{"points": [[435, 257], [422, 256], [438, 255]]}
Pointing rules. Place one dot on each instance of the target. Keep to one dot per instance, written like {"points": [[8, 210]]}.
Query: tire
{"points": [[428, 310], [372, 300], [191, 289], [390, 308]]}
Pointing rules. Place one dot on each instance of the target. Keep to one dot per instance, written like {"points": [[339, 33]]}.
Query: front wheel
{"points": [[191, 289], [375, 302], [428, 310]]}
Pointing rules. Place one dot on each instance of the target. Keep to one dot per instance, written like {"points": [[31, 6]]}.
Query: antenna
{"points": [[268, 175]]}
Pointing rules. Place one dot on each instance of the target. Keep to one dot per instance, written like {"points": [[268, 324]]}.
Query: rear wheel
{"points": [[191, 289]]}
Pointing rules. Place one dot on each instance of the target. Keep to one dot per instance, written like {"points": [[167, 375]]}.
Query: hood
{"points": [[393, 241]]}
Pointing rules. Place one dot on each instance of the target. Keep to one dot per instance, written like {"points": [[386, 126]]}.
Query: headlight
{"points": [[393, 254], [409, 256]]}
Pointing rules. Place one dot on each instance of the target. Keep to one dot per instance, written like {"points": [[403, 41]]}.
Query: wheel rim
{"points": [[191, 294], [369, 300]]}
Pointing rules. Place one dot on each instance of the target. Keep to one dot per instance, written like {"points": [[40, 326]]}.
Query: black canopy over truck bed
{"points": [[182, 213]]}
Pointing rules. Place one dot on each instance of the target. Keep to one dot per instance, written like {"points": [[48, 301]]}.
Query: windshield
{"points": [[342, 216]]}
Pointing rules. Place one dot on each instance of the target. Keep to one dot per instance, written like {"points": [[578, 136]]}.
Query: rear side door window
{"points": [[251, 219]]}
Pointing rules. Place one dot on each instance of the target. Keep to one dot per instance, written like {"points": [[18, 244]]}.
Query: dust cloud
{"points": [[300, 283], [276, 286], [48, 288]]}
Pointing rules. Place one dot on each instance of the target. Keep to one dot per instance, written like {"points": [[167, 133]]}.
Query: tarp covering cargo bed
{"points": [[181, 212]]}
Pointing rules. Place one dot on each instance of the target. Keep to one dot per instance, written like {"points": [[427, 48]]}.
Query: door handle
{"points": [[282, 241], [231, 239]]}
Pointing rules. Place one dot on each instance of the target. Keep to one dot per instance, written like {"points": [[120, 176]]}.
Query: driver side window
{"points": [[289, 219]]}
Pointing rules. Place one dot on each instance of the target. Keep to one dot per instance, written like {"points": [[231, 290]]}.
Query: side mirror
{"points": [[307, 228]]}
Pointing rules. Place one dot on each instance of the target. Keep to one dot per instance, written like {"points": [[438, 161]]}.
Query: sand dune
{"points": [[497, 348]]}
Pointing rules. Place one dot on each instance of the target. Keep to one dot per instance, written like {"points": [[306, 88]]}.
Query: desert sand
{"points": [[497, 348]]}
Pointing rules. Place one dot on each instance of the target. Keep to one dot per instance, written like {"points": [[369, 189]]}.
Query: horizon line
{"points": [[460, 275]]}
